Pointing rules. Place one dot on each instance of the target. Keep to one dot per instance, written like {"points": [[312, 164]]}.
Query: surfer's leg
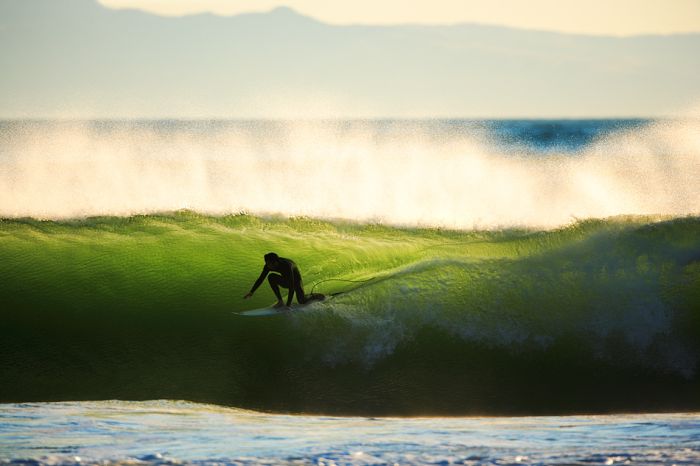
{"points": [[299, 288], [276, 281], [301, 297]]}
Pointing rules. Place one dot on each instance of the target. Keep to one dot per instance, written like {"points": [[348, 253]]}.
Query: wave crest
{"points": [[414, 174]]}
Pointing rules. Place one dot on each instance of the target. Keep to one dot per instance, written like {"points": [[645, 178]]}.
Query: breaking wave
{"points": [[601, 315]]}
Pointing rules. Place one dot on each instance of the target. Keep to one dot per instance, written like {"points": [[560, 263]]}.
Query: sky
{"points": [[597, 17], [74, 59]]}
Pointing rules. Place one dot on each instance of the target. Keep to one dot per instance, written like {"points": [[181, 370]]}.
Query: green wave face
{"points": [[598, 316]]}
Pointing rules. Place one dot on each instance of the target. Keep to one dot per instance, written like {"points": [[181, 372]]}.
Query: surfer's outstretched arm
{"points": [[258, 282]]}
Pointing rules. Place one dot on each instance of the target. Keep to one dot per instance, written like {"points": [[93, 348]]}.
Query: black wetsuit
{"points": [[287, 276]]}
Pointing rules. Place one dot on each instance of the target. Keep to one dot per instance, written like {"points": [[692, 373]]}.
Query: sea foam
{"points": [[409, 175]]}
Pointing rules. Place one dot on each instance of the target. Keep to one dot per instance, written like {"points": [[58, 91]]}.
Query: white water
{"points": [[174, 432], [326, 170]]}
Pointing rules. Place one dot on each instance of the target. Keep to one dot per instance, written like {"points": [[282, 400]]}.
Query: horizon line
{"points": [[346, 119]]}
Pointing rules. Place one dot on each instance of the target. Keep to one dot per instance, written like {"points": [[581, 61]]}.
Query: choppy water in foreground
{"points": [[171, 432]]}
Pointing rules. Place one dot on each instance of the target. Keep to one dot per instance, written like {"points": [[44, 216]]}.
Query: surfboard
{"points": [[275, 311], [271, 311]]}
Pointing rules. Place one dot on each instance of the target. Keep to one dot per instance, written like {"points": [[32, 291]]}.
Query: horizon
{"points": [[641, 119]]}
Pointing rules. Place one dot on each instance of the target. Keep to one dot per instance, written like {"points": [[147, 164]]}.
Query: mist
{"points": [[410, 176]]}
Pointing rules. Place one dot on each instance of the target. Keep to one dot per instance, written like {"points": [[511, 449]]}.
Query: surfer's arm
{"points": [[259, 281]]}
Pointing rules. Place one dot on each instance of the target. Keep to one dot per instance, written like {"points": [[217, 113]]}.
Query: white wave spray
{"points": [[340, 170]]}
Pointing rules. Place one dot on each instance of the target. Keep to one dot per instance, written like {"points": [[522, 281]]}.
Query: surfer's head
{"points": [[271, 258]]}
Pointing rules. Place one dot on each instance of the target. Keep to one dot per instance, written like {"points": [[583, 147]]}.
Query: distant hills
{"points": [[78, 59]]}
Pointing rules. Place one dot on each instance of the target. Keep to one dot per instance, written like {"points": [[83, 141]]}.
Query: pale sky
{"points": [[600, 17]]}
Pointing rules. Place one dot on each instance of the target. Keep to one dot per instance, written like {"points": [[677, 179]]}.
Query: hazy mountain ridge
{"points": [[77, 58]]}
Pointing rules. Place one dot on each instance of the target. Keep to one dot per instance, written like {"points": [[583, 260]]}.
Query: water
{"points": [[599, 316], [536, 268], [170, 432], [450, 174]]}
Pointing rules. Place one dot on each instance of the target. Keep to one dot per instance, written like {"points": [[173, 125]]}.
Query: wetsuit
{"points": [[287, 276]]}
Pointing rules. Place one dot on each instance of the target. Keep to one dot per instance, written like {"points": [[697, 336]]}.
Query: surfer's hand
{"points": [[248, 296]]}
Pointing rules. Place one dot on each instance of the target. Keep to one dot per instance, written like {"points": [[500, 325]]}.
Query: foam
{"points": [[331, 170]]}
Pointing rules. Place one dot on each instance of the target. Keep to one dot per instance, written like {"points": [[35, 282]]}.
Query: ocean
{"points": [[512, 292], [174, 433]]}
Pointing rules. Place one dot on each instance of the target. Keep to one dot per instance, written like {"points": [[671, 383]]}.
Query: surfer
{"points": [[287, 276]]}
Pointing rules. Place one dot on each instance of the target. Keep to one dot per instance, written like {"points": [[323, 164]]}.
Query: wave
{"points": [[600, 315], [433, 174]]}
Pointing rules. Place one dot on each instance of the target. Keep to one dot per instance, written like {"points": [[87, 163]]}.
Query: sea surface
{"points": [[504, 292], [172, 432]]}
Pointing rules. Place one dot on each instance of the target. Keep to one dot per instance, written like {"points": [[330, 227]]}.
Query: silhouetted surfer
{"points": [[287, 276]]}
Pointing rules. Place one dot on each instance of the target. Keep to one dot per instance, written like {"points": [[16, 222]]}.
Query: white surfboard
{"points": [[271, 311], [275, 311]]}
